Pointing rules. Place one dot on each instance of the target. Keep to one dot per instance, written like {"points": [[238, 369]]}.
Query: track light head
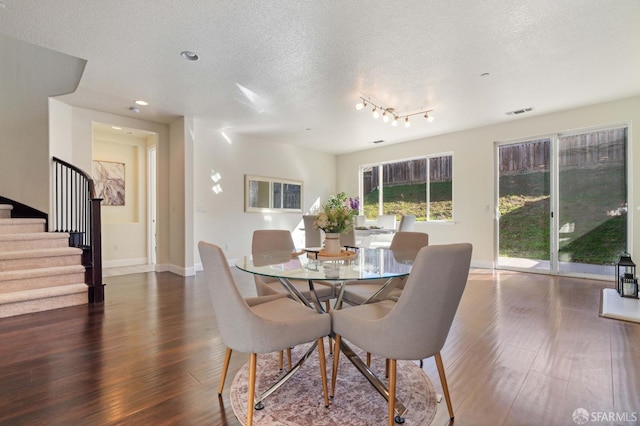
{"points": [[390, 113]]}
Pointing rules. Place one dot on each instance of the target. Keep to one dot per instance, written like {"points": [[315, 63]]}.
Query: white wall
{"points": [[29, 75], [474, 164], [220, 218], [180, 140]]}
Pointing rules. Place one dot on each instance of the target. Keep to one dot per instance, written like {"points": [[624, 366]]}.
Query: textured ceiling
{"points": [[291, 71]]}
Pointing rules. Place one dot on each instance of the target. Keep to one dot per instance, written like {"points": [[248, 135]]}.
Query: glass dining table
{"points": [[353, 264]]}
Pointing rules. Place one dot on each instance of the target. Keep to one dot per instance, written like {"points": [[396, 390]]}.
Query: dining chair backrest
{"points": [[430, 298], [312, 235], [387, 221], [271, 239], [409, 243], [360, 220], [233, 316], [406, 222], [348, 238]]}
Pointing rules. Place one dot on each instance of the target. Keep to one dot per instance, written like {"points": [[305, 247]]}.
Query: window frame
{"points": [[380, 165]]}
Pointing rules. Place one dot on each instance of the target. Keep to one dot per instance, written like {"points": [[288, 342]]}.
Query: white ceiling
{"points": [[292, 70]]}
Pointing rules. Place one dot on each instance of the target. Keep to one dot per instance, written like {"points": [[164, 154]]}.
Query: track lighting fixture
{"points": [[390, 113], [361, 105]]}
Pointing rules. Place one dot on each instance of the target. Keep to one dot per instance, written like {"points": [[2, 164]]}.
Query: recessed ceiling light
{"points": [[484, 74], [116, 128], [189, 56], [143, 103]]}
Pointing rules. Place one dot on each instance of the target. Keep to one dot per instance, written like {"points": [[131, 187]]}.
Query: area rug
{"points": [[300, 402], [620, 308]]}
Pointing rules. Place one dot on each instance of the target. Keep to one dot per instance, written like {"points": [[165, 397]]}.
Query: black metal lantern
{"points": [[626, 281]]}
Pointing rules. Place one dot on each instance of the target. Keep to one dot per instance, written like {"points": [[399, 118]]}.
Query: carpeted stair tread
{"points": [[29, 279], [40, 258], [12, 226], [32, 240], [40, 272], [28, 301], [42, 293], [45, 252], [5, 211]]}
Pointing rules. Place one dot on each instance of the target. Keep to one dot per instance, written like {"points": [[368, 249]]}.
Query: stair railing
{"points": [[76, 210]]}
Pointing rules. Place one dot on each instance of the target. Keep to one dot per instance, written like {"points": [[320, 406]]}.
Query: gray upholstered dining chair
{"points": [[430, 298], [348, 238], [387, 221], [262, 328], [265, 240], [406, 222], [408, 244], [251, 301], [312, 235]]}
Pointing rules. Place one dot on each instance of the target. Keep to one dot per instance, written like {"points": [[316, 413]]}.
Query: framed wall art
{"points": [[108, 177]]}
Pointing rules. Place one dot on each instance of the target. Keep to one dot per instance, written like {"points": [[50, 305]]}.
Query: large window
{"points": [[422, 187]]}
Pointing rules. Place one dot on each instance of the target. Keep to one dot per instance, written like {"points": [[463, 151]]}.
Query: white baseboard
{"points": [[124, 262], [482, 264], [184, 272]]}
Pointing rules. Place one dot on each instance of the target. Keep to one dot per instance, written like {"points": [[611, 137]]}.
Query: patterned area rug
{"points": [[299, 401]]}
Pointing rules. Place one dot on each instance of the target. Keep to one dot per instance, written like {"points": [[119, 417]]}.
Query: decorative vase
{"points": [[332, 243]]}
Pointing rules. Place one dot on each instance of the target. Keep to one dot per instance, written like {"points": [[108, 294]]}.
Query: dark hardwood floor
{"points": [[524, 349]]}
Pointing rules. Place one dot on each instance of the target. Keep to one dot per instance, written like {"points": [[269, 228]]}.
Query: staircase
{"points": [[38, 269]]}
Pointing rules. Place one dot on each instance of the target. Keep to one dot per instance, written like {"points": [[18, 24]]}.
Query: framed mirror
{"points": [[265, 194]]}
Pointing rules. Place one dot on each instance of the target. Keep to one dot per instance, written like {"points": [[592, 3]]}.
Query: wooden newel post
{"points": [[96, 291]]}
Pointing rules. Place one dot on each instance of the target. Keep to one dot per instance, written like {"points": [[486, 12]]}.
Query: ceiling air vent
{"points": [[519, 111]]}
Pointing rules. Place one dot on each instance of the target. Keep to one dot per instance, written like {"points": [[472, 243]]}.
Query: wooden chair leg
{"points": [[369, 359], [392, 392], [252, 388], [225, 367], [443, 380], [323, 371], [336, 357], [289, 358], [281, 360]]}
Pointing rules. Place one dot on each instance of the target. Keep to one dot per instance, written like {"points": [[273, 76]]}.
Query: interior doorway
{"points": [[129, 228]]}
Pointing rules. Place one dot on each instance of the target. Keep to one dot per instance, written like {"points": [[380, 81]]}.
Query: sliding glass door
{"points": [[592, 194], [524, 204], [562, 203]]}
